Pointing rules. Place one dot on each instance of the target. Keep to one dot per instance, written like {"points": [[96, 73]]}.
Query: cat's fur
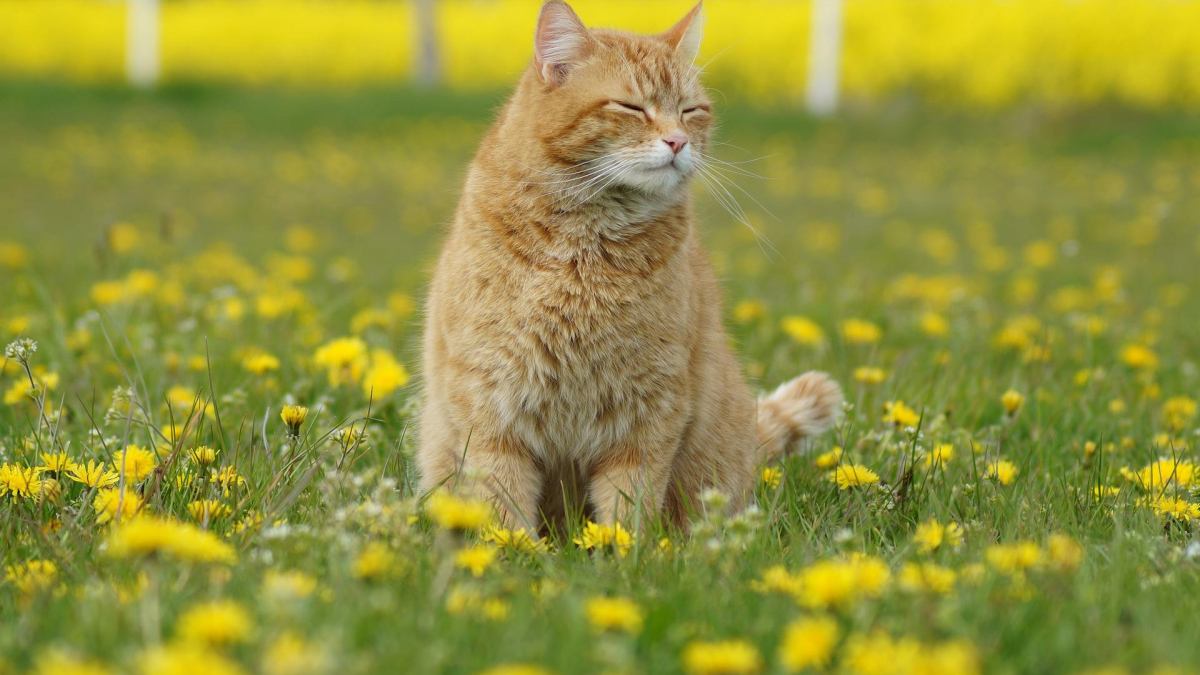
{"points": [[573, 328]]}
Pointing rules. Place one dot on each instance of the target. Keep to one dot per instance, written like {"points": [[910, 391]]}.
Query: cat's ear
{"points": [[561, 41], [685, 36]]}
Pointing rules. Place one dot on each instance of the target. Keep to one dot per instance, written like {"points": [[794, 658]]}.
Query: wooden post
{"points": [[824, 57], [141, 43]]}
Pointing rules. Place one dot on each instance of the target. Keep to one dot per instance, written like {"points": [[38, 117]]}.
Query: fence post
{"points": [[141, 43], [428, 68], [824, 56]]}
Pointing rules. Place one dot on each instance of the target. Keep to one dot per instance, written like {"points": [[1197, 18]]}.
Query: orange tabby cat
{"points": [[573, 329]]}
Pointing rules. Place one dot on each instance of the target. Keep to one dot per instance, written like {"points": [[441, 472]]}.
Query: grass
{"points": [[1057, 252]]}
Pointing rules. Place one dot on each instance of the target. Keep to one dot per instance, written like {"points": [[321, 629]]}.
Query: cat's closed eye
{"points": [[629, 107]]}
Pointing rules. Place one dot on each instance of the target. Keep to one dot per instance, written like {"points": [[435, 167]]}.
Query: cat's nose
{"points": [[676, 140]]}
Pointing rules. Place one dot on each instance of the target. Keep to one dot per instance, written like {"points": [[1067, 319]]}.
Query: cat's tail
{"points": [[804, 407]]}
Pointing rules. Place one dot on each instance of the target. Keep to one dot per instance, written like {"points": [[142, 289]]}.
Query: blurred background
{"points": [[974, 142]]}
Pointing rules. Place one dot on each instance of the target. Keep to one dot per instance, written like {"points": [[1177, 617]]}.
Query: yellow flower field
{"points": [[985, 53]]}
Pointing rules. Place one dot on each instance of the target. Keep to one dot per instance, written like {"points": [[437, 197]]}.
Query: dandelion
{"points": [[477, 559], [147, 535], [927, 578], [93, 475], [931, 535], [344, 360], [135, 463], [1013, 558], [56, 462], [453, 512], [777, 579], [614, 536], [293, 416], [32, 577], [218, 623], [203, 455], [803, 330], [259, 362], [287, 654], [808, 643], [747, 311], [184, 658], [729, 657], [1139, 357], [1064, 553], [57, 662], [376, 561], [1002, 471], [384, 376], [115, 505], [940, 454], [841, 582], [518, 540], [1175, 509], [934, 325], [1165, 472], [1012, 400], [900, 415], [1178, 412], [772, 476], [205, 510], [853, 475], [828, 460], [619, 615], [869, 375], [860, 332], [19, 481]]}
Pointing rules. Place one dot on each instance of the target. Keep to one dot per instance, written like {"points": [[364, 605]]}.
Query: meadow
{"points": [[211, 310]]}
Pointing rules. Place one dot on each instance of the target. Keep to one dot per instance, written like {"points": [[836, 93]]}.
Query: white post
{"points": [[428, 66], [824, 55], [141, 43]]}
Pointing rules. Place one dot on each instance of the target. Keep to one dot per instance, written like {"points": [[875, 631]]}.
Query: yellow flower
{"points": [[93, 474], [19, 481], [516, 669], [1164, 473], [1140, 357], [927, 578], [205, 510], [899, 414], [828, 460], [860, 332], [376, 561], [452, 512], [1003, 471], [146, 535], [934, 325], [290, 655], [1012, 400], [58, 462], [288, 585], [1015, 557], [777, 579], [1064, 553], [259, 362], [344, 360], [614, 614], [749, 310], [217, 623], [730, 657], [852, 475], [869, 375], [384, 376], [32, 577], [115, 505], [516, 540], [1178, 412], [134, 462], [803, 330], [293, 416], [931, 535], [1173, 508], [184, 658], [808, 643], [596, 535], [940, 455], [57, 662], [203, 455], [476, 558], [843, 581], [772, 476]]}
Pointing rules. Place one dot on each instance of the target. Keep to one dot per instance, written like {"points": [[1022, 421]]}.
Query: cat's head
{"points": [[616, 109]]}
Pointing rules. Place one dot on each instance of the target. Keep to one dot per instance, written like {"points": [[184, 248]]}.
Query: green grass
{"points": [[885, 216]]}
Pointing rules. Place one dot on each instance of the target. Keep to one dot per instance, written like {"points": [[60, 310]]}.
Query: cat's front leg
{"points": [[630, 483], [506, 473]]}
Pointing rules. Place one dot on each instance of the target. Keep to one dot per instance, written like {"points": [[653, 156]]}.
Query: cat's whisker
{"points": [[583, 175], [712, 161], [712, 182], [717, 171], [614, 175]]}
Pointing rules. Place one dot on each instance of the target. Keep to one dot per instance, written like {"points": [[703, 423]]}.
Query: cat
{"points": [[573, 325]]}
